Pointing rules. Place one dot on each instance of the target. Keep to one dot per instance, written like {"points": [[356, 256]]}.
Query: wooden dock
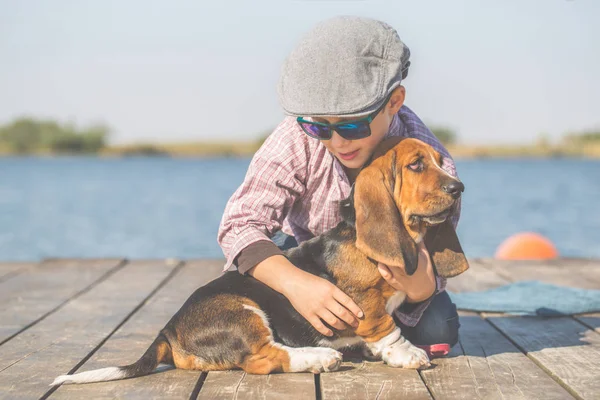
{"points": [[62, 316]]}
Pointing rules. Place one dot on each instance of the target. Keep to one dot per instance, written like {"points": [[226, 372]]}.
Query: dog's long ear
{"points": [[386, 145], [445, 250], [380, 231]]}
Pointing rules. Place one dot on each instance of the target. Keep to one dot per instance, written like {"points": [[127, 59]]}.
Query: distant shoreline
{"points": [[247, 149], [589, 151]]}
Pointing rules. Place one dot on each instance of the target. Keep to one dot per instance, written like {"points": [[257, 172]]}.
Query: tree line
{"points": [[29, 136], [36, 136]]}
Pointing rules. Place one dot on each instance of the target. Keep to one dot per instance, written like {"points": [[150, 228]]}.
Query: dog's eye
{"points": [[416, 166]]}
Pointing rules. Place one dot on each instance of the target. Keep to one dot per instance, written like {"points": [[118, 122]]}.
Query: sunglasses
{"points": [[349, 130]]}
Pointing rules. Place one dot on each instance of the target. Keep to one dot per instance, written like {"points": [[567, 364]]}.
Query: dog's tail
{"points": [[159, 352]]}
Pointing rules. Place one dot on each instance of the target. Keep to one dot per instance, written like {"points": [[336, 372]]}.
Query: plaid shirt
{"points": [[294, 184]]}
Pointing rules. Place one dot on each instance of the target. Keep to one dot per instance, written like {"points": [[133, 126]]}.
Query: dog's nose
{"points": [[454, 188]]}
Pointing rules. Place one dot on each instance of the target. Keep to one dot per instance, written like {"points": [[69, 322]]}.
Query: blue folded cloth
{"points": [[530, 298]]}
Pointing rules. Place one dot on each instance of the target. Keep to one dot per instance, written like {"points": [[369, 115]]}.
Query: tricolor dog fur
{"points": [[235, 322]]}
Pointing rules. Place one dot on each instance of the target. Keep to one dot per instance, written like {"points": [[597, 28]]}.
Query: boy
{"points": [[341, 88]]}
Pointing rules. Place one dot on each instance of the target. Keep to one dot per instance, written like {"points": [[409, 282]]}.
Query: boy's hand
{"points": [[315, 298], [419, 286], [318, 300]]}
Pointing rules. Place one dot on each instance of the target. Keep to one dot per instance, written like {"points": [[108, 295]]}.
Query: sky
{"points": [[496, 71]]}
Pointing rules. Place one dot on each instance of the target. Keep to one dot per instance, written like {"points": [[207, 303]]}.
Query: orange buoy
{"points": [[526, 246]]}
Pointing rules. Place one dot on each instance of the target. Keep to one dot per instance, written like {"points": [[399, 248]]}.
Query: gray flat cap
{"points": [[345, 66]]}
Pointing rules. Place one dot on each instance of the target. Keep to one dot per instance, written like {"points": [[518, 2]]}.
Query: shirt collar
{"points": [[397, 128]]}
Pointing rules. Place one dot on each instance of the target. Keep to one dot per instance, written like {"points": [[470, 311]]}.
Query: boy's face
{"points": [[353, 154]]}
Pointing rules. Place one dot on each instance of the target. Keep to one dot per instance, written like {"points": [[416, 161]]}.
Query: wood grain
{"points": [[87, 314], [485, 365], [566, 349], [239, 385], [9, 270], [34, 293], [62, 340], [477, 277], [574, 273], [134, 337], [373, 380]]}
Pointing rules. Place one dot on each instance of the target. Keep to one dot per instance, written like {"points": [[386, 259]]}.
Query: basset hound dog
{"points": [[236, 322]]}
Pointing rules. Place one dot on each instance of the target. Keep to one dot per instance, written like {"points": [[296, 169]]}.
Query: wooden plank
{"points": [[563, 347], [239, 385], [134, 337], [30, 362], [372, 380], [476, 278], [591, 320], [36, 292], [579, 273], [277, 386], [485, 365], [560, 349], [221, 385], [51, 274], [11, 269]]}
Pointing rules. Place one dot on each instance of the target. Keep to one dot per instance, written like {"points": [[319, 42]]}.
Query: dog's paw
{"points": [[314, 359], [368, 354], [405, 355]]}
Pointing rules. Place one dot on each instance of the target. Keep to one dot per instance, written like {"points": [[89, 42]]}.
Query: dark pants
{"points": [[438, 324]]}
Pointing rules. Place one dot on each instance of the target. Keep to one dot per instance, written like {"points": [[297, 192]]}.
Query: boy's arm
{"points": [[276, 177], [254, 254], [315, 298], [419, 286]]}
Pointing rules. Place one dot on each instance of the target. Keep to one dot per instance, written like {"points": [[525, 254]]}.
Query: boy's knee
{"points": [[438, 331], [439, 323], [450, 333]]}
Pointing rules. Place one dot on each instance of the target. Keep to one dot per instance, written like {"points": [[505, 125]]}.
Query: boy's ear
{"points": [[397, 99], [445, 250]]}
